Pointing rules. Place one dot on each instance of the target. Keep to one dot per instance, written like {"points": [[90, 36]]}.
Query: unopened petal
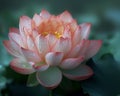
{"points": [[71, 63], [66, 17], [21, 66], [45, 14], [50, 78], [54, 58], [37, 19], [79, 73]]}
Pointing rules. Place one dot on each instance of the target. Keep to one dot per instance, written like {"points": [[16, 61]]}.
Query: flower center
{"points": [[53, 27], [56, 34]]}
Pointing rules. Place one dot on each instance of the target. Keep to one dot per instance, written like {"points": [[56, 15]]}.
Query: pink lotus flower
{"points": [[51, 46]]}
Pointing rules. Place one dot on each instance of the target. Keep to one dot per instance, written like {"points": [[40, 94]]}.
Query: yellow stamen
{"points": [[57, 34], [45, 33]]}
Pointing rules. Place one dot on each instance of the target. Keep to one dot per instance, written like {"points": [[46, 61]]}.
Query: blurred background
{"points": [[105, 18]]}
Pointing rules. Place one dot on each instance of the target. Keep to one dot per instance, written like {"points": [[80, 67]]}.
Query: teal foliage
{"points": [[104, 16], [105, 81]]}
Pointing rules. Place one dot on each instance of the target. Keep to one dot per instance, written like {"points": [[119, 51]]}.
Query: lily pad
{"points": [[106, 79]]}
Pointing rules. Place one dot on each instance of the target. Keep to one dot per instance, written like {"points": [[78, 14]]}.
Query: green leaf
{"points": [[110, 45], [115, 46], [32, 81], [106, 79], [3, 82]]}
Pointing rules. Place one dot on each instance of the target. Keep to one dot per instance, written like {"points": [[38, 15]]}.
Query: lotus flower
{"points": [[51, 46]]}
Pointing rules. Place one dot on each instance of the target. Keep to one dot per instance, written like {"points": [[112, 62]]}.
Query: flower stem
{"points": [[50, 93]]}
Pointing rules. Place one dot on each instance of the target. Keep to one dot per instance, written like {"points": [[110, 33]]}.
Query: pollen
{"points": [[45, 33], [57, 34]]}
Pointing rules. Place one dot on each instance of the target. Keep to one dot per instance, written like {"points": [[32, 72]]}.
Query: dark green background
{"points": [[105, 18]]}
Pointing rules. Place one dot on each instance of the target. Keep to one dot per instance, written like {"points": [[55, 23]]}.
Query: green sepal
{"points": [[32, 80]]}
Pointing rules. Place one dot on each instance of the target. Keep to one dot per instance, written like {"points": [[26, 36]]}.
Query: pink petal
{"points": [[42, 45], [73, 25], [51, 39], [31, 56], [77, 36], [37, 19], [45, 14], [66, 17], [85, 30], [54, 58], [63, 45], [71, 63], [50, 78], [21, 66], [35, 33], [25, 22], [41, 66], [13, 48], [76, 50], [30, 43], [16, 37], [84, 48], [79, 73], [93, 48], [67, 32], [14, 30], [25, 26]]}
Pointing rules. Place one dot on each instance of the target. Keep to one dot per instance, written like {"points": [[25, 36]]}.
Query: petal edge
{"points": [[21, 66], [80, 73], [50, 78]]}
